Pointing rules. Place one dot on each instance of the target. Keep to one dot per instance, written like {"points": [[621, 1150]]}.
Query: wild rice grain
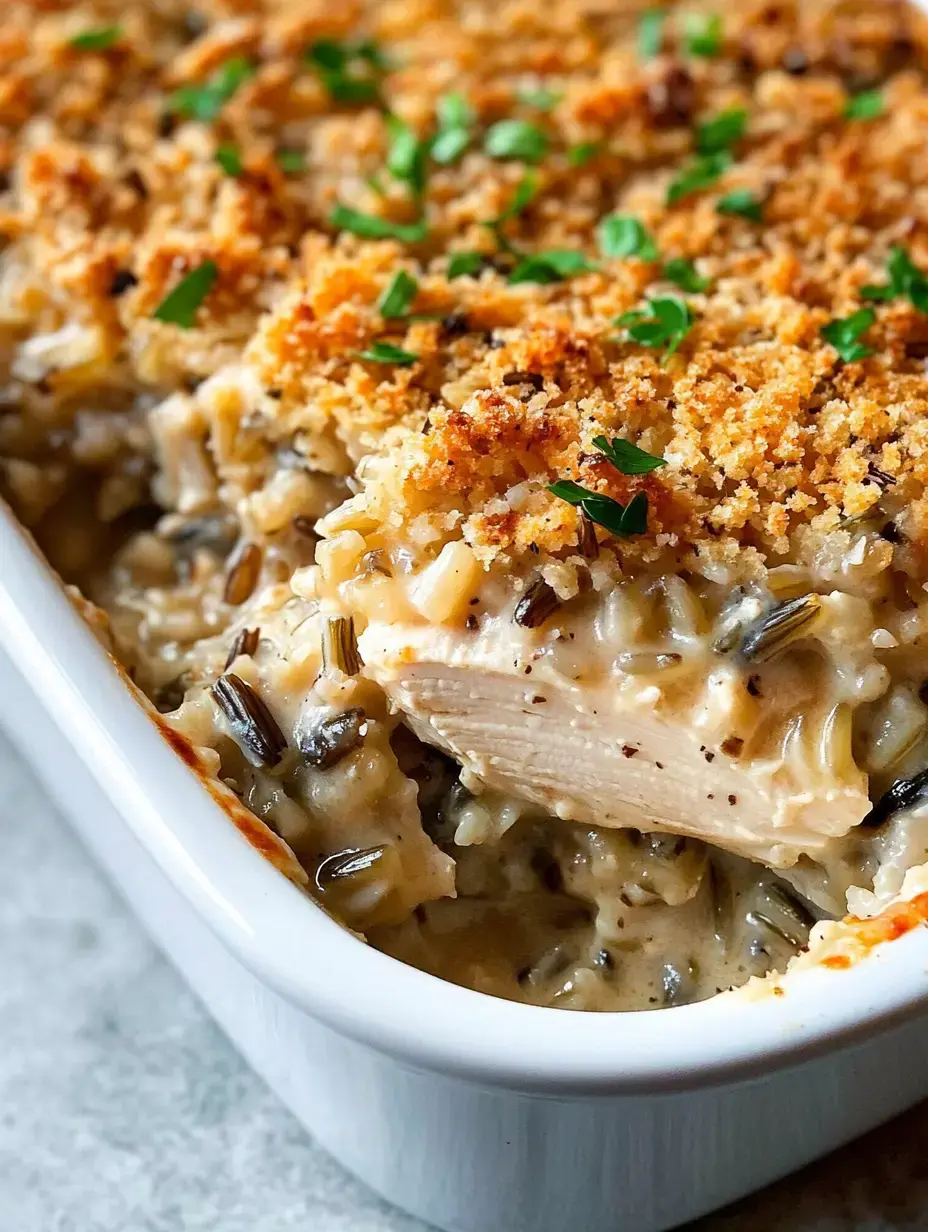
{"points": [[243, 574], [252, 724]]}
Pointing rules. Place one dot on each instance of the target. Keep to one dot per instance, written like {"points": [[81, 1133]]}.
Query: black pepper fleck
{"points": [[122, 281]]}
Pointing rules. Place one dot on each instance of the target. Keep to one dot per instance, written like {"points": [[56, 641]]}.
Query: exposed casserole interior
{"points": [[494, 437]]}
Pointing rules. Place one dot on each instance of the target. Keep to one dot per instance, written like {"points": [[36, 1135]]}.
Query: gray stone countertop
{"points": [[123, 1109]]}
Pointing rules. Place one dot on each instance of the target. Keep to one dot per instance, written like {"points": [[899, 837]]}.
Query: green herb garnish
{"points": [[372, 227], [229, 159], [722, 132], [665, 325], [552, 266], [398, 295], [650, 38], [580, 154], [388, 353], [541, 99], [102, 38], [703, 34], [454, 111], [742, 203], [336, 65], [864, 106], [624, 520], [516, 139], [449, 145], [685, 275], [844, 334], [205, 102], [525, 192], [626, 457], [621, 235], [905, 278], [463, 263], [407, 154], [702, 173], [455, 117], [291, 162], [179, 307]]}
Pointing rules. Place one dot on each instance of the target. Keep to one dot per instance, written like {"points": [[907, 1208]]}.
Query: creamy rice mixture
{"points": [[494, 436]]}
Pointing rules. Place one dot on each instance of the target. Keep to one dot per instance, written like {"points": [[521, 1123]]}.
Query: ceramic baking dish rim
{"points": [[291, 945]]}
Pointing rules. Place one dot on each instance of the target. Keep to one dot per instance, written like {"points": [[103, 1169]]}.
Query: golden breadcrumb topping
{"points": [[536, 174]]}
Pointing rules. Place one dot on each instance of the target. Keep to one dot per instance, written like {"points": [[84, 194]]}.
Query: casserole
{"points": [[469, 1111], [709, 656]]}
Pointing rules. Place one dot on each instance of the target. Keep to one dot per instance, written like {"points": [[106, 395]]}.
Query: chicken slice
{"points": [[618, 753]]}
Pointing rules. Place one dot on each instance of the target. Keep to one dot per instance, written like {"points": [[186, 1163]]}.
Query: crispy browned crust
{"points": [[764, 429]]}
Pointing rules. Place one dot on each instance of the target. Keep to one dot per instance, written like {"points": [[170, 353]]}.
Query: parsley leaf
{"points": [[449, 144], [580, 154], [721, 132], [905, 278], [291, 162], [102, 38], [742, 203], [525, 193], [388, 353], [462, 263], [229, 159], [668, 323], [650, 37], [844, 334], [179, 307], [864, 106], [455, 118], [703, 34], [516, 139], [541, 99], [573, 493], [372, 227], [624, 520], [685, 275], [621, 235], [454, 111], [701, 173], [398, 295], [551, 266], [336, 65], [406, 156], [205, 102], [626, 457]]}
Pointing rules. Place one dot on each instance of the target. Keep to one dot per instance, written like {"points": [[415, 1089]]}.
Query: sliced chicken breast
{"points": [[618, 755]]}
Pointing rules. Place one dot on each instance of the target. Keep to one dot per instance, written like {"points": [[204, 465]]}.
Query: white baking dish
{"points": [[472, 1112]]}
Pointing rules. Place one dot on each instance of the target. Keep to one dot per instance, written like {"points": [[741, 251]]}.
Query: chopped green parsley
{"points": [[701, 173], [101, 38], [742, 203], [844, 334], [666, 324], [703, 34], [388, 353], [685, 275], [650, 37], [624, 520], [905, 279], [180, 306], [372, 227], [626, 457], [551, 266], [398, 295], [864, 106], [516, 139], [622, 235], [204, 102]]}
